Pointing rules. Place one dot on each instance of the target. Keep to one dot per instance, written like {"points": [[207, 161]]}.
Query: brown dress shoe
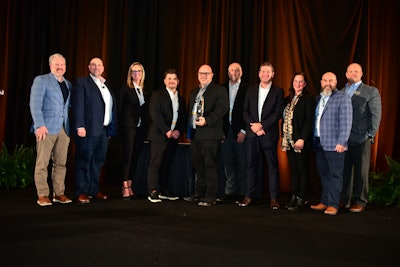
{"points": [[274, 204], [83, 199], [320, 206], [356, 208], [63, 199], [100, 195], [331, 210], [44, 201], [245, 202]]}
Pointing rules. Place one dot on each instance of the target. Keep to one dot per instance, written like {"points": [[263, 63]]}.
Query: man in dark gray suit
{"points": [[205, 132], [367, 112]]}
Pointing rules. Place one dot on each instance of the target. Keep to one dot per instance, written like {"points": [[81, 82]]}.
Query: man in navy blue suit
{"points": [[94, 122]]}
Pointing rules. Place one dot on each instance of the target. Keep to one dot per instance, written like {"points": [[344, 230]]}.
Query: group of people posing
{"points": [[240, 121]]}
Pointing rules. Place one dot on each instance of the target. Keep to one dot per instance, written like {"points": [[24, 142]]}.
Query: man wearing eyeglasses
{"points": [[206, 133]]}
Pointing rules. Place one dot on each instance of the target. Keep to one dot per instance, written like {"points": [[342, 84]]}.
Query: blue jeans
{"points": [[234, 159], [90, 155], [330, 168]]}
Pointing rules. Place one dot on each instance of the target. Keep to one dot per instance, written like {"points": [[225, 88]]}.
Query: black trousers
{"points": [[162, 154], [205, 161], [132, 139]]}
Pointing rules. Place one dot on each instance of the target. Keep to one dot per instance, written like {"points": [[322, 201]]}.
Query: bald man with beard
{"points": [[332, 130]]}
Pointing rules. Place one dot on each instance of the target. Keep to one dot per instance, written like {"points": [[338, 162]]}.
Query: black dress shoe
{"points": [[292, 202], [300, 203], [192, 198], [225, 198]]}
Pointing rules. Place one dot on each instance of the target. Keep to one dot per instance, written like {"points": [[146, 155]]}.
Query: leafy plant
{"points": [[385, 186], [17, 168]]}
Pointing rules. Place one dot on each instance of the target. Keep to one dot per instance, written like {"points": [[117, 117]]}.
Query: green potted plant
{"points": [[385, 186], [17, 168]]}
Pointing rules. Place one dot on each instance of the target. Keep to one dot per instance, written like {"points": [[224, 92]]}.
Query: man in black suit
{"points": [[168, 113], [263, 107], [206, 134], [233, 150], [94, 121]]}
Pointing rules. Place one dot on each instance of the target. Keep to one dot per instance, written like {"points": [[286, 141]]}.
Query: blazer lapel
{"points": [[358, 91], [95, 89], [56, 85], [328, 103]]}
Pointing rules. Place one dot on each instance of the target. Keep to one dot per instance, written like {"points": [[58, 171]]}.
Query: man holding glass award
{"points": [[208, 104]]}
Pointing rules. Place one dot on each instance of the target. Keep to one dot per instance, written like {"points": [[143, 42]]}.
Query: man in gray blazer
{"points": [[367, 112], [49, 104], [332, 130]]}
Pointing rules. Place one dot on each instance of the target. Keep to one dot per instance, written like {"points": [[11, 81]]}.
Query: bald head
{"points": [[96, 67], [234, 72], [205, 75], [354, 73], [328, 82]]}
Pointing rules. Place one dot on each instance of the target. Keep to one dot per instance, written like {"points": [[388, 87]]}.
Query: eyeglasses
{"points": [[204, 73], [136, 71]]}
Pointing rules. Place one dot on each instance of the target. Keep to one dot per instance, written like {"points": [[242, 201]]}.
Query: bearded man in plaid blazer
{"points": [[333, 120]]}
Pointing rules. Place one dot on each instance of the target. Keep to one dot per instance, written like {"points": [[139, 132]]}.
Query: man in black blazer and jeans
{"points": [[263, 108], [206, 134], [232, 148], [168, 113]]}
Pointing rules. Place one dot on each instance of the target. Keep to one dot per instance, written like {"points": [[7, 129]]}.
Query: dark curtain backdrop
{"points": [[309, 35]]}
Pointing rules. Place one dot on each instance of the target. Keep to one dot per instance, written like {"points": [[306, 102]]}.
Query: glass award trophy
{"points": [[200, 108]]}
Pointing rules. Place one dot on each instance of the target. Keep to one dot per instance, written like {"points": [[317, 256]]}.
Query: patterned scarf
{"points": [[287, 140]]}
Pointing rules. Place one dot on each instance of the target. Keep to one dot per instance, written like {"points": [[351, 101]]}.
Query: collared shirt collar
{"points": [[357, 84], [101, 79], [236, 83]]}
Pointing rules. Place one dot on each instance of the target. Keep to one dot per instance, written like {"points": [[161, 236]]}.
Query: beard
{"points": [[350, 80]]}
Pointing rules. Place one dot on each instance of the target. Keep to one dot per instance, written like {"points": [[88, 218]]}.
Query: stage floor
{"points": [[179, 233]]}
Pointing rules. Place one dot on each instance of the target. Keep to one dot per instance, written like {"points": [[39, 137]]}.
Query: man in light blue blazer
{"points": [[367, 113], [49, 104], [333, 119]]}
